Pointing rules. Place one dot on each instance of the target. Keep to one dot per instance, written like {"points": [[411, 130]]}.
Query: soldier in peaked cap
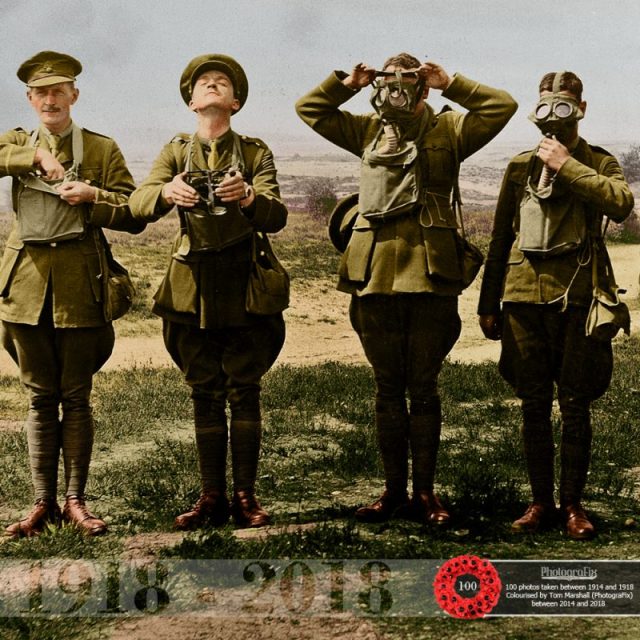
{"points": [[47, 68], [225, 188], [68, 183]]}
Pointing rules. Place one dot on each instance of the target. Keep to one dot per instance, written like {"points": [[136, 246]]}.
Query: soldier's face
{"points": [[53, 104], [213, 89]]}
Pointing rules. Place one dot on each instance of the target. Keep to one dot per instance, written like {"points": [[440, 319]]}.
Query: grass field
{"points": [[319, 462]]}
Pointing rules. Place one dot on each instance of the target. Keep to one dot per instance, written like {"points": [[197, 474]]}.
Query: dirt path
{"points": [[318, 326]]}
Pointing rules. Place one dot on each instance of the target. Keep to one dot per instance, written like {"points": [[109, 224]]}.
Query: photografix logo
{"points": [[467, 587], [564, 573]]}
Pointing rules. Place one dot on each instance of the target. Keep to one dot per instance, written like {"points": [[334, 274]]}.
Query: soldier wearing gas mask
{"points": [[545, 260], [402, 262]]}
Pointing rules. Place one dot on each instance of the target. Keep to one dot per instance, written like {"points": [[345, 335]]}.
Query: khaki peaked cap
{"points": [[49, 67], [219, 62]]}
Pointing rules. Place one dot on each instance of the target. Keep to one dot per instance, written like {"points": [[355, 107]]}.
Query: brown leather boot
{"points": [[537, 517], [426, 507], [384, 508], [75, 512], [45, 511], [211, 509], [247, 511], [576, 523]]}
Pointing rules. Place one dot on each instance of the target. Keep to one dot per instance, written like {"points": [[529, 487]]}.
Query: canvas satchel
{"points": [[607, 313], [552, 222], [118, 288], [42, 216], [390, 182], [268, 285]]}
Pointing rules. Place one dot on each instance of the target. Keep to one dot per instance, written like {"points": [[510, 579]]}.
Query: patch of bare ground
{"points": [[147, 545], [246, 628], [10, 425]]}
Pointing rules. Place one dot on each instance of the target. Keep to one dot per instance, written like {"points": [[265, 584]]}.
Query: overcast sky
{"points": [[134, 51]]}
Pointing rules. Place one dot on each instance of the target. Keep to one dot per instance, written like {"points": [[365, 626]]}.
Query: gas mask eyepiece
{"points": [[556, 113], [556, 106], [396, 94]]}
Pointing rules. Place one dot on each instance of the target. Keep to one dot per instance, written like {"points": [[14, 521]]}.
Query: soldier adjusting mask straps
{"points": [[396, 94]]}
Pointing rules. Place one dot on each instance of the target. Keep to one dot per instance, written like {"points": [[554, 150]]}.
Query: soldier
{"points": [[222, 350], [67, 184], [564, 187], [402, 263]]}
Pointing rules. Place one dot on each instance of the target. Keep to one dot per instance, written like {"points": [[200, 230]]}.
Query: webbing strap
{"points": [[77, 149]]}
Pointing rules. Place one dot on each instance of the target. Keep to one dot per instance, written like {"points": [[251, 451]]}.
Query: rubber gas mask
{"points": [[396, 94], [556, 115]]}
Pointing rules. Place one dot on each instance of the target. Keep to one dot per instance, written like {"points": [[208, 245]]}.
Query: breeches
{"points": [[226, 364], [542, 346], [406, 338], [57, 365]]}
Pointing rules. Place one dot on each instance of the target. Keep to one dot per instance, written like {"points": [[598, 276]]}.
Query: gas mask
{"points": [[394, 98], [556, 115]]}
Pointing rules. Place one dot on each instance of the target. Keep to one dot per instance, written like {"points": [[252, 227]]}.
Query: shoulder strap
{"points": [[456, 198], [187, 164], [237, 157]]}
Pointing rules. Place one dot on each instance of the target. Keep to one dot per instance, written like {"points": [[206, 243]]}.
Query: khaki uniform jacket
{"points": [[72, 269], [418, 253], [592, 175], [208, 289]]}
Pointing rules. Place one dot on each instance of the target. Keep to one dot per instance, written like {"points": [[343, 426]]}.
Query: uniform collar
{"points": [[67, 132]]}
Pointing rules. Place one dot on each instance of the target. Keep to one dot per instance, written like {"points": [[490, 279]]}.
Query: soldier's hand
{"points": [[232, 188], [435, 76], [76, 192], [553, 153], [49, 166], [491, 325], [179, 192], [361, 75]]}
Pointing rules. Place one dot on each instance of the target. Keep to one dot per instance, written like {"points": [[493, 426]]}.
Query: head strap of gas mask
{"points": [[396, 100], [556, 111]]}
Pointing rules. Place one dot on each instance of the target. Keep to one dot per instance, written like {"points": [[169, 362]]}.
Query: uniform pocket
{"points": [[92, 176], [354, 265], [7, 267], [440, 159], [437, 211], [515, 256], [178, 290], [441, 248], [94, 269]]}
